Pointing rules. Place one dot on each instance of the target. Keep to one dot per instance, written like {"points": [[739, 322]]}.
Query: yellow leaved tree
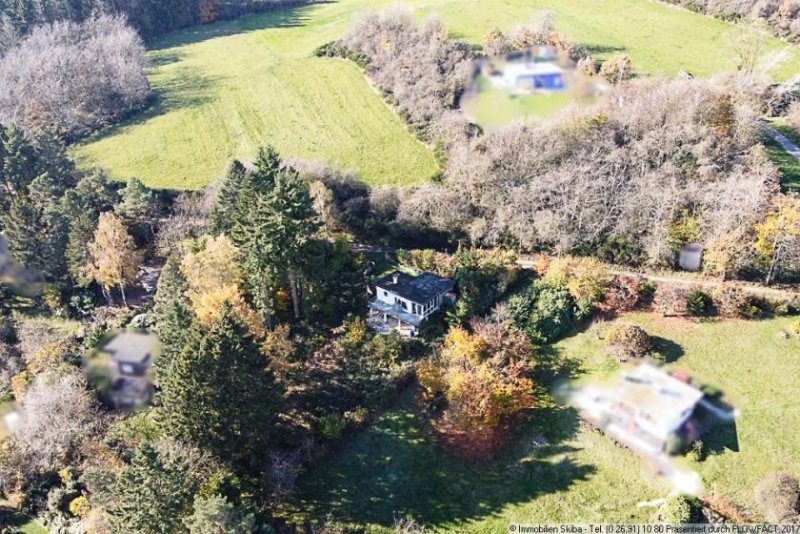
{"points": [[113, 258], [778, 237]]}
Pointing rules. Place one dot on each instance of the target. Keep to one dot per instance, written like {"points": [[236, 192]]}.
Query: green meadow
{"points": [[224, 89]]}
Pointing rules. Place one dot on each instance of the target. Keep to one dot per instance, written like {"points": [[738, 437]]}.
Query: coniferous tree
{"points": [[35, 229], [173, 318], [273, 233], [152, 495], [81, 232], [215, 515], [220, 395], [224, 212]]}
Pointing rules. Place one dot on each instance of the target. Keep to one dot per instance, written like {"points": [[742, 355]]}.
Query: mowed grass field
{"points": [[226, 88], [395, 467]]}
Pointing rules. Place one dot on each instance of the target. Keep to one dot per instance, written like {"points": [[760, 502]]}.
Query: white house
{"points": [[530, 76], [403, 301]]}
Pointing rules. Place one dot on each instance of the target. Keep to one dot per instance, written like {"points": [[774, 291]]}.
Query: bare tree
{"points": [[58, 414], [74, 77]]}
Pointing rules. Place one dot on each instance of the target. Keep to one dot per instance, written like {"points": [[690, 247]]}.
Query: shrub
{"points": [[628, 341], [676, 510], [778, 495], [332, 425], [542, 311], [699, 303], [624, 293], [730, 301], [670, 301], [585, 278], [79, 507], [617, 68]]}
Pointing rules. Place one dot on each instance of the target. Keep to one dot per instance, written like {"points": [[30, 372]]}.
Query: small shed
{"points": [[691, 257]]}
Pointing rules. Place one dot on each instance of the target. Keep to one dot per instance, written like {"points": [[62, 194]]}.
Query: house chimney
{"points": [[395, 278]]}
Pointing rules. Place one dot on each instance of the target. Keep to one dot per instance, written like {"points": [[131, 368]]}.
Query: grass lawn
{"points": [[493, 108], [226, 88], [395, 468], [789, 166]]}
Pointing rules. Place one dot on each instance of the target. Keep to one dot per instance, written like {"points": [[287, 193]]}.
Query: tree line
{"points": [[151, 18]]}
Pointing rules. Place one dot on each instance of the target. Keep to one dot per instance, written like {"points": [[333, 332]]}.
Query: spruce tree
{"points": [[220, 395], [81, 232], [273, 235], [173, 318], [152, 496], [224, 212], [36, 231]]}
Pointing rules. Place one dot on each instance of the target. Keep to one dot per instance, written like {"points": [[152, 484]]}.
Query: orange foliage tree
{"points": [[482, 376]]}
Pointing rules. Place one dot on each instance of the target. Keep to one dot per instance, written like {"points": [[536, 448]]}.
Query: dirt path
{"points": [[759, 291]]}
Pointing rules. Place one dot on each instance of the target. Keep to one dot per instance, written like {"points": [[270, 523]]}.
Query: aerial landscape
{"points": [[407, 266]]}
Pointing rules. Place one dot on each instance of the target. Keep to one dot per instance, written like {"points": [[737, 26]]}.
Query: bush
{"points": [[670, 301], [542, 311], [624, 294], [332, 425], [778, 495], [732, 302], [699, 303], [676, 510], [586, 279], [617, 68], [628, 341]]}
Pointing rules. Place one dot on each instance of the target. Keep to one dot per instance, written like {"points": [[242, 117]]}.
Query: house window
{"points": [[414, 309], [385, 293]]}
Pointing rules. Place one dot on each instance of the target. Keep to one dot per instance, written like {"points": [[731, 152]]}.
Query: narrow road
{"points": [[760, 291], [786, 143]]}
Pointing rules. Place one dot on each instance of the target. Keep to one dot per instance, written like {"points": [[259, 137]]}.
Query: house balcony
{"points": [[384, 317]]}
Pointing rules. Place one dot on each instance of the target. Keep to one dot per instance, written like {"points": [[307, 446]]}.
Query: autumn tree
{"points": [[213, 278], [778, 237], [114, 259], [617, 69], [586, 279], [483, 376]]}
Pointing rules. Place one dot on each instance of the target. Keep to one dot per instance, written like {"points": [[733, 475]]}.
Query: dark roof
{"points": [[130, 347], [419, 289]]}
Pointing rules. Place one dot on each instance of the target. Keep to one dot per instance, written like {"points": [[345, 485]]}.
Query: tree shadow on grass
{"points": [[282, 17], [397, 468], [186, 87], [668, 350], [189, 87]]}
